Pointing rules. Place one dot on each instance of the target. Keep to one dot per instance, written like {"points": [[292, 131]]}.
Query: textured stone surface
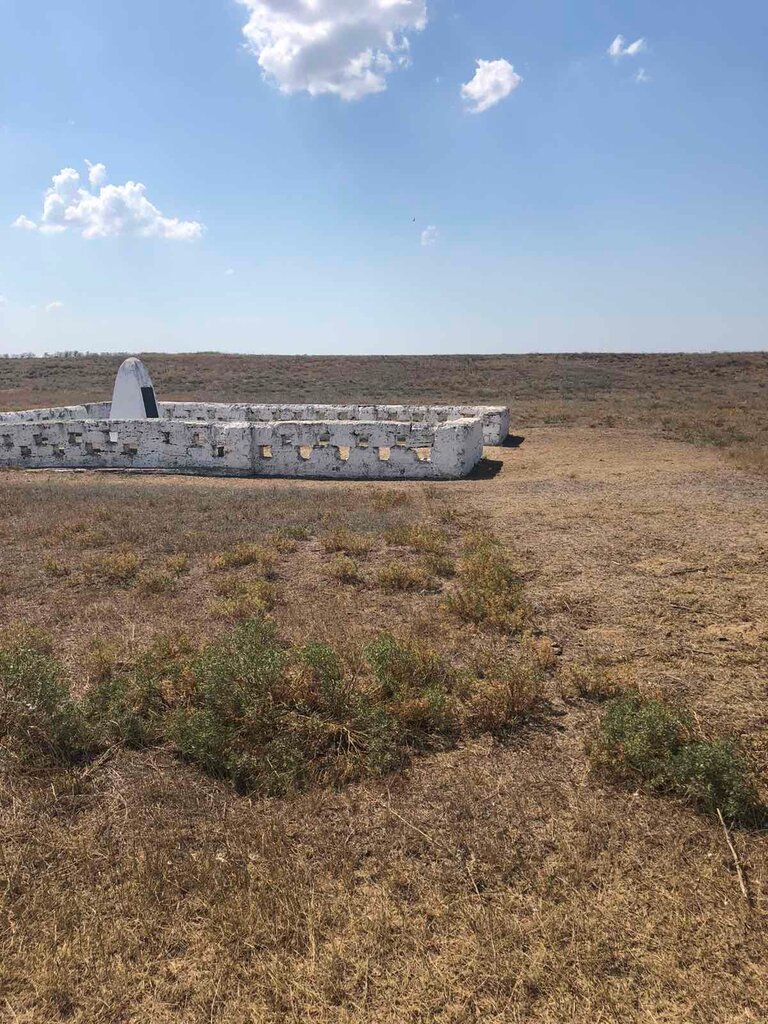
{"points": [[346, 449], [495, 418]]}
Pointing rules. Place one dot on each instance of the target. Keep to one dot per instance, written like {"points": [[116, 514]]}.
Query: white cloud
{"points": [[494, 80], [429, 235], [54, 307], [229, 273], [108, 210], [620, 48], [3, 301], [97, 174], [642, 76], [25, 224], [343, 47]]}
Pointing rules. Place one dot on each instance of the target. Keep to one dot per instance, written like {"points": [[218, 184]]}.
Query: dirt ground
{"points": [[497, 882]]}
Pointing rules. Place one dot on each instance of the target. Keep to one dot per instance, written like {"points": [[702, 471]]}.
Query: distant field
{"points": [[373, 753], [706, 399]]}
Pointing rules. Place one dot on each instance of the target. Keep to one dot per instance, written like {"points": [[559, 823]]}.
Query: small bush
{"points": [[404, 576], [509, 685], [56, 569], [243, 599], [155, 581], [177, 564], [490, 591], [420, 537], [643, 740], [258, 557], [38, 718], [418, 682], [129, 703], [344, 569], [592, 682], [347, 542], [119, 568], [435, 564]]}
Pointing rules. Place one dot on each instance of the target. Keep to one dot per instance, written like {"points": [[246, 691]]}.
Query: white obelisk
{"points": [[133, 397]]}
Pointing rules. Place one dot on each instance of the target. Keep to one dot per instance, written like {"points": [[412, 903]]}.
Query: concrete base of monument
{"points": [[376, 442]]}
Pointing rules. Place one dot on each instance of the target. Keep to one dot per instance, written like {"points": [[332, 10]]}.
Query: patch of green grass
{"points": [[267, 716], [39, 720], [420, 684], [641, 740]]}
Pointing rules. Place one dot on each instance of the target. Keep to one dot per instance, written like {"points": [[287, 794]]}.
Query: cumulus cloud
{"points": [[25, 224], [494, 80], [97, 174], [429, 235], [642, 76], [108, 210], [343, 47], [54, 307], [620, 48]]}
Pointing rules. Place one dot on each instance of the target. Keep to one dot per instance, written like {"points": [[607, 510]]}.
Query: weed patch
{"points": [[243, 599], [39, 721], [118, 568], [489, 590], [397, 575], [346, 542], [344, 569], [644, 740], [261, 559]]}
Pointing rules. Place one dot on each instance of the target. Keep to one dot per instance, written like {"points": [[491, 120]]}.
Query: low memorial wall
{"points": [[356, 449], [356, 442]]}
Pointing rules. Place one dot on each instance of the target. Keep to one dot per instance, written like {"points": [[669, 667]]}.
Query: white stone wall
{"points": [[495, 419], [356, 449]]}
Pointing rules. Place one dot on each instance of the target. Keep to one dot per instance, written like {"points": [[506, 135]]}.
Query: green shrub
{"points": [[406, 577], [417, 683], [261, 559], [344, 569], [269, 719], [38, 717], [118, 567], [346, 541], [243, 599], [490, 590], [130, 704], [643, 740]]}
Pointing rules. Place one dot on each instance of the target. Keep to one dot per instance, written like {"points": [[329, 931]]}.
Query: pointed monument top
{"points": [[133, 397]]}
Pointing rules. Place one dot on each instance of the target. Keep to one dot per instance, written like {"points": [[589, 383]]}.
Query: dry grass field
{"points": [[407, 803]]}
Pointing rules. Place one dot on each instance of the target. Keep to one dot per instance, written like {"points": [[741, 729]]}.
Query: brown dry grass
{"points": [[500, 881]]}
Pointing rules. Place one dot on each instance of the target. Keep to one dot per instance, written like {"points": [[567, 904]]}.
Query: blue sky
{"points": [[569, 200]]}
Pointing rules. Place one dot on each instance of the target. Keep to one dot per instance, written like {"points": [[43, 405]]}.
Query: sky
{"points": [[383, 176]]}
